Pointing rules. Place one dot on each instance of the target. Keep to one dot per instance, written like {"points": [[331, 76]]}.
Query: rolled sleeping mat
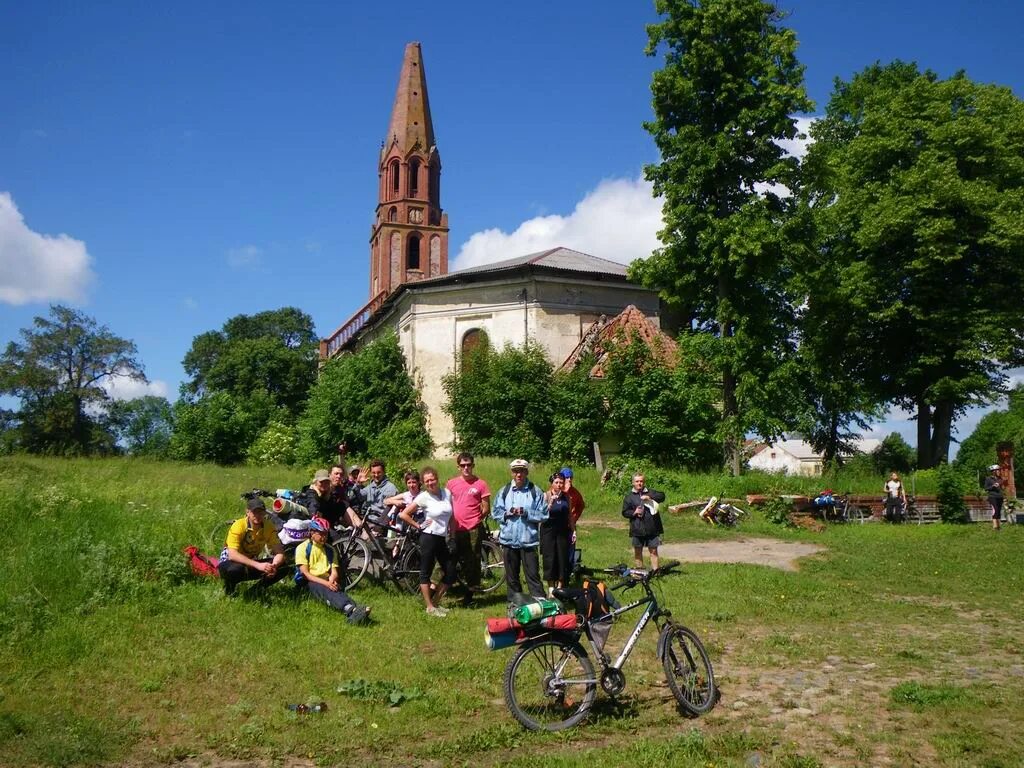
{"points": [[287, 508]]}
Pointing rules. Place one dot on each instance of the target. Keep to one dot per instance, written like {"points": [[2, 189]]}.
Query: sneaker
{"points": [[359, 615], [436, 610]]}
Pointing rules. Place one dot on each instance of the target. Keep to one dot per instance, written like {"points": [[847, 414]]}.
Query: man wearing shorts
{"points": [[645, 528]]}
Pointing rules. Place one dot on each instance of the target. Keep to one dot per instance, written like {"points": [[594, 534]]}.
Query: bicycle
{"points": [[717, 512], [550, 684], [375, 541]]}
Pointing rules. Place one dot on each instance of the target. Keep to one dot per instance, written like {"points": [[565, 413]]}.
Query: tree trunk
{"points": [[942, 425], [732, 445], [924, 434]]}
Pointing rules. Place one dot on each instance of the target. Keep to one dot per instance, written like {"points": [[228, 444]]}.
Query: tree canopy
{"points": [[723, 103], [367, 400], [916, 186], [58, 372]]}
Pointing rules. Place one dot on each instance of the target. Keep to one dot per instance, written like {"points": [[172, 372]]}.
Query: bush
{"points": [[275, 445], [952, 508], [776, 510]]}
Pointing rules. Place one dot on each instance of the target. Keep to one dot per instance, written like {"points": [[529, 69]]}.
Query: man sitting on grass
{"points": [[317, 564], [247, 539]]}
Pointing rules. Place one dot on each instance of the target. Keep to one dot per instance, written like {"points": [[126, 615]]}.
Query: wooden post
{"points": [[1005, 453]]}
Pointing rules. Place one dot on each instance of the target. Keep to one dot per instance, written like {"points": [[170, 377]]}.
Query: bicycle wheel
{"points": [[353, 560], [688, 668], [408, 573], [550, 684], [492, 567]]}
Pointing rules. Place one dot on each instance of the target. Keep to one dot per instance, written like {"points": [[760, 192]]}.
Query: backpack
{"points": [[202, 565], [299, 578]]}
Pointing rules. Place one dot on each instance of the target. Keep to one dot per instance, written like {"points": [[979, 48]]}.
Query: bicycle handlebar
{"points": [[256, 493]]}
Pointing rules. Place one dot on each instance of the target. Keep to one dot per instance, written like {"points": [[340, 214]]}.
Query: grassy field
{"points": [[895, 646]]}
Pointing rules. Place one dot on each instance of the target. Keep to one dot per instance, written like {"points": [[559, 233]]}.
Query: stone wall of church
{"points": [[432, 322]]}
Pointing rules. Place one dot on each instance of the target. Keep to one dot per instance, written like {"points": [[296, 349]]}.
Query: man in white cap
{"points": [[994, 489], [520, 509]]}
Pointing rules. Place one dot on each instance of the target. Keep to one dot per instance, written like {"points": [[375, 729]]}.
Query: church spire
{"points": [[409, 239], [410, 116]]}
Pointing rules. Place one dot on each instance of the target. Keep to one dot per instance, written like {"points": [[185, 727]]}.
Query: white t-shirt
{"points": [[893, 488], [437, 511]]}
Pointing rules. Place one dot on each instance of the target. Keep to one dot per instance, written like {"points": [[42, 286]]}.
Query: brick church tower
{"points": [[409, 238]]}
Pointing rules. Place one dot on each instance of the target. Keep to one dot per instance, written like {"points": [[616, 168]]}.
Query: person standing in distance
{"points": [[471, 502], [645, 527], [994, 489]]}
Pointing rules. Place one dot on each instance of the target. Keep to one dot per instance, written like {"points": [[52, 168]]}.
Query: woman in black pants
{"points": [[556, 535], [436, 505]]}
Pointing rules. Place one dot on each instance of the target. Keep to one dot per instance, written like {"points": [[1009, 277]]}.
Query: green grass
{"points": [[111, 652]]}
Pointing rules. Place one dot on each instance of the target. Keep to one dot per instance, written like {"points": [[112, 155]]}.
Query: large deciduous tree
{"points": [[256, 370], [58, 372], [916, 185], [723, 103]]}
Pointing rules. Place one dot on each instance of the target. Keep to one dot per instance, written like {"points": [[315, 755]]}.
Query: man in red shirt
{"points": [[471, 503]]}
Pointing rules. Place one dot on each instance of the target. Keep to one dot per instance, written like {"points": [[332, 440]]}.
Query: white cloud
{"points": [[245, 257], [798, 147], [35, 267], [619, 220], [125, 388]]}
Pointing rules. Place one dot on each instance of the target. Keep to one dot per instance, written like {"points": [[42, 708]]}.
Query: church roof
{"points": [[410, 116], [554, 258], [628, 322]]}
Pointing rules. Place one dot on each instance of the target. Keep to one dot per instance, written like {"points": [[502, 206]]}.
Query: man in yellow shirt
{"points": [[243, 556]]}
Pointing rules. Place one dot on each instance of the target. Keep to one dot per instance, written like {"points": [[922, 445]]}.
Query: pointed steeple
{"points": [[410, 115], [409, 239]]}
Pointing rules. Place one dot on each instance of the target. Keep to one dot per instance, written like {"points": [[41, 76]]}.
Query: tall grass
{"points": [[112, 652]]}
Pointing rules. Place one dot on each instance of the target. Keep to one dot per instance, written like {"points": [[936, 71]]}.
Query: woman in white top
{"points": [[435, 503], [895, 499]]}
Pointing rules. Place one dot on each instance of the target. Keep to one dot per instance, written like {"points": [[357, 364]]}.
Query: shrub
{"points": [[776, 510], [952, 508], [275, 445]]}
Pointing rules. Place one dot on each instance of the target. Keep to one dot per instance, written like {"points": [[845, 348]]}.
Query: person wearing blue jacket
{"points": [[520, 509]]}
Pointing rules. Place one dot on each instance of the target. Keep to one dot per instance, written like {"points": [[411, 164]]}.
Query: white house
{"points": [[797, 457]]}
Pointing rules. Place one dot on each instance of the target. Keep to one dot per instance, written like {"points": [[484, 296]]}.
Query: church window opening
{"points": [[414, 178], [412, 259], [395, 177], [393, 214], [474, 339]]}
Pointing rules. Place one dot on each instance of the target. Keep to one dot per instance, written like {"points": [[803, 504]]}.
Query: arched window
{"points": [[395, 177], [412, 254], [414, 177], [474, 343], [393, 214]]}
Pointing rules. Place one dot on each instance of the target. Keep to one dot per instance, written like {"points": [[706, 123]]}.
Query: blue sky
{"points": [[165, 166]]}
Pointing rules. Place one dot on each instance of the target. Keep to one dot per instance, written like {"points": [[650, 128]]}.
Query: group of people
{"points": [[535, 525]]}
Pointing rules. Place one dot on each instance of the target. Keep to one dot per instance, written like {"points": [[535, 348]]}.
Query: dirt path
{"points": [[775, 553]]}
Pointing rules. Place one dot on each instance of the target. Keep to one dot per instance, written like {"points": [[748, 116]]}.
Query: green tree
{"points": [[662, 411], [916, 185], [723, 102], [368, 401], [273, 352], [220, 426], [58, 372], [143, 425], [978, 450], [501, 402], [578, 413]]}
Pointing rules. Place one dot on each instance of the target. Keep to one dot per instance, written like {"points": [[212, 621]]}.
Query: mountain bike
{"points": [[390, 550], [550, 683]]}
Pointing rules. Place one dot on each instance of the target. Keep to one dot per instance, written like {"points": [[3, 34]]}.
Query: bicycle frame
{"points": [[653, 611]]}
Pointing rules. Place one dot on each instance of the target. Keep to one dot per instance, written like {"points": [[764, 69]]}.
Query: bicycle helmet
{"points": [[319, 524]]}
